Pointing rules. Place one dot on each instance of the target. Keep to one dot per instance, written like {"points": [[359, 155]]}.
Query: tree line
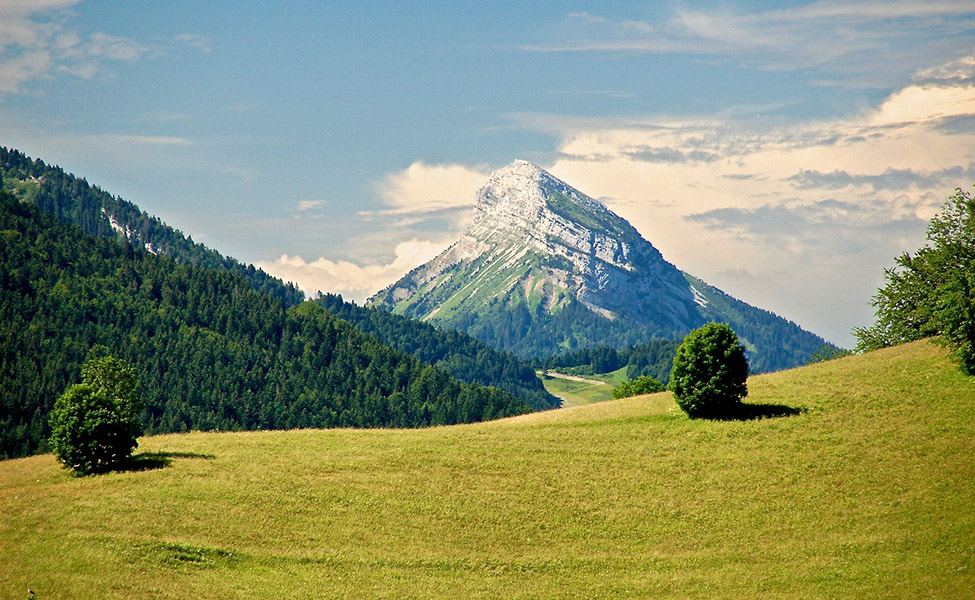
{"points": [[73, 200], [452, 351]]}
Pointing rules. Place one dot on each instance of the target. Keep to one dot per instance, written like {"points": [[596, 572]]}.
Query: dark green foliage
{"points": [[932, 293], [710, 372], [588, 361], [828, 352], [454, 352], [73, 200], [539, 333], [653, 359], [211, 352], [90, 430], [118, 380], [643, 384]]}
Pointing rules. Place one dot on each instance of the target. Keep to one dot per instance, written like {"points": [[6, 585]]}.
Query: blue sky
{"points": [[785, 152]]}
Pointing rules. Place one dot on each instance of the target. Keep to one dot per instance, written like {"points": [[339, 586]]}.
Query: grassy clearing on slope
{"points": [[578, 393], [867, 493]]}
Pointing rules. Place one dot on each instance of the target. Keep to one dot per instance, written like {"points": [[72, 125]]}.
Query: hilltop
{"points": [[544, 268], [866, 493]]}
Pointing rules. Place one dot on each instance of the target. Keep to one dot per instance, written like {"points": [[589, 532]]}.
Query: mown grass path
{"points": [[869, 492]]}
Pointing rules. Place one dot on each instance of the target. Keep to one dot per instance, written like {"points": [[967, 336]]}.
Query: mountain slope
{"points": [[211, 353], [544, 268], [868, 493], [73, 200], [451, 351]]}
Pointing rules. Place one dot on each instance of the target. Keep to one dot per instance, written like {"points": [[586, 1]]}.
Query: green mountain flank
{"points": [[73, 200], [451, 351], [867, 492]]}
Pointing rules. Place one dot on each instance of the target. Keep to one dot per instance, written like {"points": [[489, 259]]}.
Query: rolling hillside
{"points": [[868, 492]]}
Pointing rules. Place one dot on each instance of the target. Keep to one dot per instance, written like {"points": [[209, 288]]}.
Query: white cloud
{"points": [[799, 218], [303, 206], [36, 43], [151, 140], [422, 188], [353, 281], [192, 40]]}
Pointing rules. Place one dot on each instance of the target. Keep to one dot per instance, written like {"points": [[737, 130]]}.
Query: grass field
{"points": [[578, 393], [868, 492]]}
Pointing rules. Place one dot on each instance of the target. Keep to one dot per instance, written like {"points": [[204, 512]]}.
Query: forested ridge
{"points": [[210, 351], [73, 200], [450, 350]]}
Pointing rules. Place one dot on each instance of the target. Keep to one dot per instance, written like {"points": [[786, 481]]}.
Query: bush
{"points": [[94, 424], [643, 384], [709, 375]]}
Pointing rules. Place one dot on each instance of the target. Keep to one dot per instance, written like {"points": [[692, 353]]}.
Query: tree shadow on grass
{"points": [[150, 461], [753, 412]]}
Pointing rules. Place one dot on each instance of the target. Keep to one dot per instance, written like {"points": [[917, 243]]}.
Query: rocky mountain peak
{"points": [[523, 201], [544, 267]]}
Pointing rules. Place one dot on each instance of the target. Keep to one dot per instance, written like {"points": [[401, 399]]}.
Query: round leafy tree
{"points": [[709, 375], [94, 424]]}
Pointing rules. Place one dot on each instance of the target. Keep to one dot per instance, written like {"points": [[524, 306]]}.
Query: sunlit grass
{"points": [[578, 393], [867, 493]]}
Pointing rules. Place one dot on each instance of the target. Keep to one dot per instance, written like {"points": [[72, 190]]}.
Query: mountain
{"points": [[73, 200], [543, 268], [211, 353]]}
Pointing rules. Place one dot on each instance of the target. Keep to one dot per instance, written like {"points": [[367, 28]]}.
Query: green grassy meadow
{"points": [[578, 393], [868, 492]]}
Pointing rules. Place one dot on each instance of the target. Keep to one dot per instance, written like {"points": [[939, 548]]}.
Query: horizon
{"points": [[784, 154]]}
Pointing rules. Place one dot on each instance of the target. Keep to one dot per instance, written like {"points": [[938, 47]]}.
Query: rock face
{"points": [[544, 268]]}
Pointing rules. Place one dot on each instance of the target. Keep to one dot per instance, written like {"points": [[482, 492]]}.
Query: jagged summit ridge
{"points": [[522, 203]]}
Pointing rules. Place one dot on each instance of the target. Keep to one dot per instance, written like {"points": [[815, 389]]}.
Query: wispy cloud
{"points": [[354, 281], [304, 206], [841, 36], [890, 179], [796, 209], [37, 43], [151, 140], [192, 40], [430, 189]]}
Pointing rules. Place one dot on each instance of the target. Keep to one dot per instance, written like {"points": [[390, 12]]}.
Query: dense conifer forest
{"points": [[653, 359], [452, 351], [211, 352]]}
